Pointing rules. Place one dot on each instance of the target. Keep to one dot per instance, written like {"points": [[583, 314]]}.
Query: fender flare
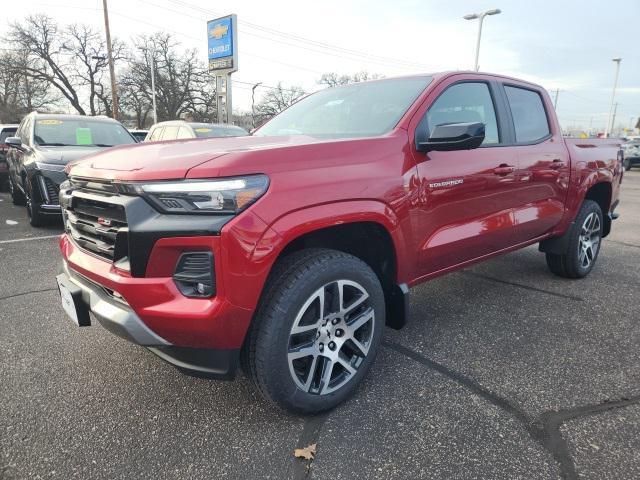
{"points": [[295, 224]]}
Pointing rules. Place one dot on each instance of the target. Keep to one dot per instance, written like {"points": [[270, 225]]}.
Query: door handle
{"points": [[504, 169], [557, 164]]}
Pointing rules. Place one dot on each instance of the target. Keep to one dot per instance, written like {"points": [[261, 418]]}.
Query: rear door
{"points": [[543, 159], [465, 208]]}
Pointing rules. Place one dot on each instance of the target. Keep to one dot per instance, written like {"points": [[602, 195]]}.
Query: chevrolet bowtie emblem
{"points": [[218, 31]]}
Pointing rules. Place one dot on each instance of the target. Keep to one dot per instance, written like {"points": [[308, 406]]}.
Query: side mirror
{"points": [[14, 142], [454, 136]]}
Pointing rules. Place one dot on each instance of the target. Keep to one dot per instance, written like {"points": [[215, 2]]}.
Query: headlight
{"points": [[226, 195]]}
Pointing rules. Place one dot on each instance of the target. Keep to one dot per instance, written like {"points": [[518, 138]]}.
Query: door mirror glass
{"points": [[454, 136]]}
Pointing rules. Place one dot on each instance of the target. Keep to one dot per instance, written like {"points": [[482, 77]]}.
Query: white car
{"points": [[631, 154]]}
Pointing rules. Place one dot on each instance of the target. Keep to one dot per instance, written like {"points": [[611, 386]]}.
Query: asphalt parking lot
{"points": [[504, 371]]}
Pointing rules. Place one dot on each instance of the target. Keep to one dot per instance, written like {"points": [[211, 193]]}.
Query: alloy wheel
{"points": [[589, 240], [331, 337]]}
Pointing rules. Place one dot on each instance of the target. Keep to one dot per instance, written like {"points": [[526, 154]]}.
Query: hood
{"points": [[64, 155], [173, 159]]}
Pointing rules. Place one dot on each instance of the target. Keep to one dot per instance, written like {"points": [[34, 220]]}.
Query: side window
{"points": [[529, 117], [184, 132], [170, 132], [463, 103], [155, 134]]}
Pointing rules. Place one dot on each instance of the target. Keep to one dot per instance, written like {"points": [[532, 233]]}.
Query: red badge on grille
{"points": [[104, 221]]}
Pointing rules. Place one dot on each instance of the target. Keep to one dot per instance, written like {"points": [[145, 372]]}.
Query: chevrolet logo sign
{"points": [[219, 31]]}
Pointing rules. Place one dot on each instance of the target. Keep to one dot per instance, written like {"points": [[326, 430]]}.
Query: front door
{"points": [[466, 204]]}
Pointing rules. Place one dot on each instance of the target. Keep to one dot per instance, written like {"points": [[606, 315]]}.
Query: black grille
{"points": [[99, 227], [52, 191]]}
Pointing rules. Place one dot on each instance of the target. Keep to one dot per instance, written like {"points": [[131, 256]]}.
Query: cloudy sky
{"points": [[566, 45]]}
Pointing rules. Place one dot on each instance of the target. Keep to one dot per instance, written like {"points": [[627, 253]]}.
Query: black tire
{"points": [[16, 195], [573, 263], [294, 282], [627, 164], [36, 219]]}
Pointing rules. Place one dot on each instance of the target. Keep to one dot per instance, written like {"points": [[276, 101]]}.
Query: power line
{"points": [[352, 57], [370, 57]]}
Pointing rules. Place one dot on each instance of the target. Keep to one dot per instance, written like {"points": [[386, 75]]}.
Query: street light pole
{"points": [[480, 17], [613, 98], [114, 93]]}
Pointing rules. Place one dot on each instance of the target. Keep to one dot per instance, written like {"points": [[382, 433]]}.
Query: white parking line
{"points": [[16, 240]]}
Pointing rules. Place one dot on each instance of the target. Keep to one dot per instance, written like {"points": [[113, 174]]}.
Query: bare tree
{"points": [[182, 83], [20, 94], [90, 66], [277, 99], [332, 79], [47, 57]]}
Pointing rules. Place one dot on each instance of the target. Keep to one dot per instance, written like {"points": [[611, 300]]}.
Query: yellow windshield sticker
{"points": [[203, 130], [83, 136], [50, 122]]}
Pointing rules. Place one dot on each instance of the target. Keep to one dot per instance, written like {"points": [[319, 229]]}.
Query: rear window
{"points": [[207, 131], [529, 117], [6, 133]]}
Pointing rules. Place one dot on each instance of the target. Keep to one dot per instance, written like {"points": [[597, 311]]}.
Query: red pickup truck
{"points": [[288, 251]]}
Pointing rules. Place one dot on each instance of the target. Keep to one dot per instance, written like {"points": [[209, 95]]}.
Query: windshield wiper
{"points": [[99, 145], [55, 144]]}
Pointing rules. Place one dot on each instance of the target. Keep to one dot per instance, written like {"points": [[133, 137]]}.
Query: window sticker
{"points": [[203, 130], [83, 136], [50, 122]]}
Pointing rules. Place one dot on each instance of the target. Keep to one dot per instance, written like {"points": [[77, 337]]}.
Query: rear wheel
{"points": [[318, 331], [585, 239]]}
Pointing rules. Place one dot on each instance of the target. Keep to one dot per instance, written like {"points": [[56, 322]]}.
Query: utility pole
{"points": [[555, 99], [480, 16], [253, 103], [112, 71], [613, 97], [153, 89]]}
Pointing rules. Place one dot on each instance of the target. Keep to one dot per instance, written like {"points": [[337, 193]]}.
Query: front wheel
{"points": [[36, 219], [317, 332], [585, 239], [16, 195], [627, 164]]}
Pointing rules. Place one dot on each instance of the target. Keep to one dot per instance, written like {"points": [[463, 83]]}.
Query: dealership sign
{"points": [[222, 36]]}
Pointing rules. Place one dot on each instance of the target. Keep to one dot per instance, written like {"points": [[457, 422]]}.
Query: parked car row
{"points": [[35, 153], [5, 132], [631, 153]]}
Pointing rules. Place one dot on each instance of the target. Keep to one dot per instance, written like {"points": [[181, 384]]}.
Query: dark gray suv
{"points": [[41, 149]]}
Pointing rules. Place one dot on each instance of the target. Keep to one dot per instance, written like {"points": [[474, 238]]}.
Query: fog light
{"points": [[195, 275]]}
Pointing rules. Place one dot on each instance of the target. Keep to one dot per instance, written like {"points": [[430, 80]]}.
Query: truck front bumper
{"points": [[114, 313]]}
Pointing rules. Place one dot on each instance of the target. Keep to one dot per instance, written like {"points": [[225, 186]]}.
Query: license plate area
{"points": [[72, 302]]}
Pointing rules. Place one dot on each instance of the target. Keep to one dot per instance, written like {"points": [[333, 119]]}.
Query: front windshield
{"points": [[358, 110], [79, 132], [208, 131]]}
